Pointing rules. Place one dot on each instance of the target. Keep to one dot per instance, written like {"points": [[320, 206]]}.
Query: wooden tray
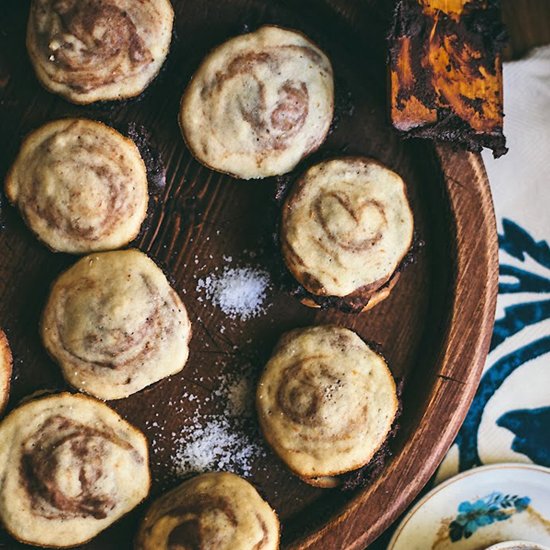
{"points": [[434, 329]]}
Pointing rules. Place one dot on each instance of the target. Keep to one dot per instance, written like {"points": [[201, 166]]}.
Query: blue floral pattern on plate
{"points": [[485, 511]]}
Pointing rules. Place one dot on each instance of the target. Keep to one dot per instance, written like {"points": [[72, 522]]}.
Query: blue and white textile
{"points": [[509, 420]]}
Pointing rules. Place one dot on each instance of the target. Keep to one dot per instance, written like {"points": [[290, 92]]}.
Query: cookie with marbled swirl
{"points": [[5, 370], [346, 227], [80, 186], [326, 402], [259, 103], [115, 325], [216, 510], [69, 467], [93, 50]]}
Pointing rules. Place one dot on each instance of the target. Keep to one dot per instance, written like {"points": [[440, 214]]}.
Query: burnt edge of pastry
{"points": [[364, 476], [491, 37], [352, 303], [156, 177]]}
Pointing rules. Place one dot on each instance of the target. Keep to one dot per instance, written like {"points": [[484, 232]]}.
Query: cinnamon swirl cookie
{"points": [[346, 226], [211, 511], [326, 402], [93, 50], [258, 104], [80, 186], [69, 467], [115, 325], [5, 370]]}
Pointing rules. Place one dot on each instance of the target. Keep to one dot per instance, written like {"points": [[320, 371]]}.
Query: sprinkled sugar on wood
{"points": [[240, 292], [226, 440]]}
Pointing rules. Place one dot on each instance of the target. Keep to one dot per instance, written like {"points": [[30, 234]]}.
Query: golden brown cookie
{"points": [[346, 227], [5, 370], [211, 511], [93, 50], [115, 325], [259, 103], [80, 186], [326, 402], [69, 467]]}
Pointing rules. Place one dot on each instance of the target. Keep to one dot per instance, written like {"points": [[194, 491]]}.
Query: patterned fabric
{"points": [[509, 420]]}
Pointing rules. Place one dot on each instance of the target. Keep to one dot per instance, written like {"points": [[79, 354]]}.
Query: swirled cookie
{"points": [[93, 50], [211, 511], [69, 467], [115, 325], [346, 226], [80, 186], [326, 402], [258, 104], [5, 370]]}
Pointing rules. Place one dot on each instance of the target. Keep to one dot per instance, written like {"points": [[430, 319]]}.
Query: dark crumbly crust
{"points": [[362, 477], [358, 301], [477, 28]]}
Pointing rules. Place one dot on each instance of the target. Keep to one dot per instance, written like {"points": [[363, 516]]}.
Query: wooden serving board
{"points": [[434, 329]]}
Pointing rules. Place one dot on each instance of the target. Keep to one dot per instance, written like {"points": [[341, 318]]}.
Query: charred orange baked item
{"points": [[446, 72]]}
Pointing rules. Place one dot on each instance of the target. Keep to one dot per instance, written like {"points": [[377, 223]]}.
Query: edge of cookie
{"points": [[6, 369]]}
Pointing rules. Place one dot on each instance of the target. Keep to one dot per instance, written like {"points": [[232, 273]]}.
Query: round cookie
{"points": [[115, 325], [346, 226], [5, 370], [258, 104], [69, 467], [326, 402], [215, 510], [80, 186], [94, 50]]}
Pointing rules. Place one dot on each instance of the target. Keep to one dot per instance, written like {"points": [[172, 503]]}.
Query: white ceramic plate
{"points": [[478, 508]]}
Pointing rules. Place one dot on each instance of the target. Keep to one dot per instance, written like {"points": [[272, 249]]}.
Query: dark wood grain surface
{"points": [[434, 329], [528, 24]]}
